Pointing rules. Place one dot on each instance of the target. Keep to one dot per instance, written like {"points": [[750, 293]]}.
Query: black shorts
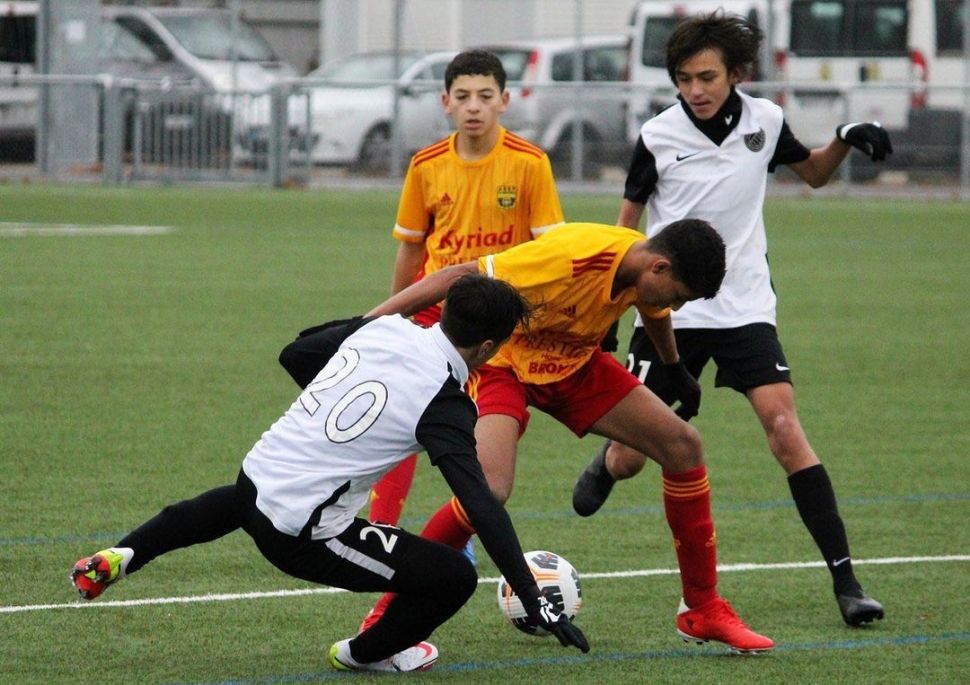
{"points": [[366, 557], [746, 357]]}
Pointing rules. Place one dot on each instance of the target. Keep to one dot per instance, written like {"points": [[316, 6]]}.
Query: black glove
{"points": [[686, 388], [610, 341], [871, 138], [549, 618]]}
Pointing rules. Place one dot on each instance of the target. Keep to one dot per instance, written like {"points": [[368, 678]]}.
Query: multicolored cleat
{"points": [[420, 657], [92, 575]]}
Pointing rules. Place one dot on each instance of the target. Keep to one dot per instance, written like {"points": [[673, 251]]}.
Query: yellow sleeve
{"points": [[413, 219]]}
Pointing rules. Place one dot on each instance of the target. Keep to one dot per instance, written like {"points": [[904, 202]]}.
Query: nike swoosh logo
{"points": [[781, 368], [838, 562], [681, 158]]}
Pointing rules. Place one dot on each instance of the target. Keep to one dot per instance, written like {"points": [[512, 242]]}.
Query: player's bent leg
{"points": [[432, 582], [209, 516], [643, 423], [814, 498]]}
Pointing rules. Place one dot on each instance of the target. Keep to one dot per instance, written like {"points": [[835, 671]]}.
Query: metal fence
{"points": [[312, 132]]}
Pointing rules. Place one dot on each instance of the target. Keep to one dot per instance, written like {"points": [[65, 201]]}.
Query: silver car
{"points": [[350, 108], [546, 98]]}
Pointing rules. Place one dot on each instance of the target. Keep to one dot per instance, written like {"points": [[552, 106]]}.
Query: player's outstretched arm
{"points": [[426, 292], [870, 138]]}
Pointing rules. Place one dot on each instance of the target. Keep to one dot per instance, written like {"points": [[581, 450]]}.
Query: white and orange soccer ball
{"points": [[557, 579]]}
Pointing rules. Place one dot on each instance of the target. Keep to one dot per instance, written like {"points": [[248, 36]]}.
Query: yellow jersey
{"points": [[463, 210], [567, 276]]}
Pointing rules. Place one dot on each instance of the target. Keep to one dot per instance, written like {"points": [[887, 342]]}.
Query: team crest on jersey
{"points": [[755, 141], [506, 196]]}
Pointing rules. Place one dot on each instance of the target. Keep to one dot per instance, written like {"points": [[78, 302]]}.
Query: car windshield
{"points": [[118, 43], [211, 37], [379, 67]]}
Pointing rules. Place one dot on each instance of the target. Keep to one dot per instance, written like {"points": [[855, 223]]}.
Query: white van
{"points": [[204, 41], [821, 50]]}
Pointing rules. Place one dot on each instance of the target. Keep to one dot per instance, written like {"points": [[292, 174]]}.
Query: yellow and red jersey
{"points": [[567, 275], [463, 210]]}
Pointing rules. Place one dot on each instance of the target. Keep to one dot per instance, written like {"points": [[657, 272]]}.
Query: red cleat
{"points": [[716, 620]]}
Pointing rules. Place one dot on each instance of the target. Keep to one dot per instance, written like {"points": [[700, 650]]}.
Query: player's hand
{"points": [[686, 388], [871, 138], [549, 618]]}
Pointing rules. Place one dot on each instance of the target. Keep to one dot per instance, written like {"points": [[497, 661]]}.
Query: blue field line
{"points": [[412, 522], [592, 658]]}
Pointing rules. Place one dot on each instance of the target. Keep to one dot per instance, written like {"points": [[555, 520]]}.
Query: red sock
{"points": [[387, 497], [449, 526], [687, 502]]}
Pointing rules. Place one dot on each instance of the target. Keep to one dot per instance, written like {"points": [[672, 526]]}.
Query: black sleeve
{"points": [[446, 431], [641, 179], [788, 150], [309, 353]]}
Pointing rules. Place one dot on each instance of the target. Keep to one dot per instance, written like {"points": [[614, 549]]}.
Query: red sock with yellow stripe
{"points": [[387, 497], [449, 526], [687, 503]]}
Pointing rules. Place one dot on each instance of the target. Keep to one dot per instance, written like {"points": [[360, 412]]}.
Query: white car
{"points": [[350, 107]]}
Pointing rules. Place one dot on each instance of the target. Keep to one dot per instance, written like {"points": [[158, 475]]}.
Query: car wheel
{"points": [[375, 151]]}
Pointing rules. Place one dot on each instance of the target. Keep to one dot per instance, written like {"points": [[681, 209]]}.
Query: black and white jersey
{"points": [[680, 172], [390, 388]]}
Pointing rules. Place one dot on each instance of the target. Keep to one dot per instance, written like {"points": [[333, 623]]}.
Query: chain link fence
{"points": [[306, 131]]}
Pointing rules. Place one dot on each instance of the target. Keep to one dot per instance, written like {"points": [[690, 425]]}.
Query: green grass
{"points": [[139, 370]]}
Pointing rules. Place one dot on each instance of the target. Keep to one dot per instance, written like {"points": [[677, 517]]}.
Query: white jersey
{"points": [[724, 185], [361, 415]]}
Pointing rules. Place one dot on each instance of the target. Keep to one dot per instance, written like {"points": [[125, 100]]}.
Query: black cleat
{"points": [[858, 608], [594, 485]]}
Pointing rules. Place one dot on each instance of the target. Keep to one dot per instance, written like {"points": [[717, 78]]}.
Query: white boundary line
{"points": [[723, 568], [11, 229]]}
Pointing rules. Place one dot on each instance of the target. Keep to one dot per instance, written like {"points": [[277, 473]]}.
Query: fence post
{"points": [[113, 134], [277, 143]]}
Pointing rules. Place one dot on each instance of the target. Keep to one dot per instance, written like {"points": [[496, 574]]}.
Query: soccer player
{"points": [[388, 387], [708, 157], [476, 192], [581, 278]]}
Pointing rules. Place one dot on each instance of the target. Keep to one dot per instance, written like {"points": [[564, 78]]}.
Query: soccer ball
{"points": [[557, 580]]}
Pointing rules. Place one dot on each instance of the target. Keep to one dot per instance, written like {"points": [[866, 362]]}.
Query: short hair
{"points": [[736, 39], [479, 308], [475, 63], [696, 253]]}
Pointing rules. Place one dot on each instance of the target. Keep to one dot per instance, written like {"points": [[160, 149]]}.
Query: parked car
{"points": [[546, 99], [18, 103], [204, 41], [167, 47], [345, 109]]}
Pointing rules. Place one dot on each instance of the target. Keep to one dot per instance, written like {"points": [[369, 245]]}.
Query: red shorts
{"points": [[577, 401]]}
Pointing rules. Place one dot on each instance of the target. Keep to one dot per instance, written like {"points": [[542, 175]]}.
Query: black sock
{"points": [[209, 516], [812, 491]]}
